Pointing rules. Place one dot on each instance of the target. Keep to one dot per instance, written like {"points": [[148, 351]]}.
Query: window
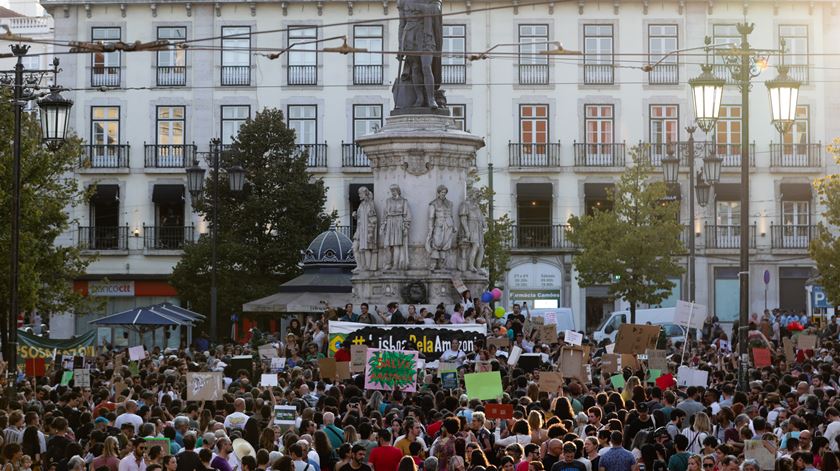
{"points": [[664, 130], [105, 66], [795, 149], [169, 232], [728, 213], [599, 124], [453, 59], [724, 34], [367, 119], [233, 117], [367, 66], [171, 125], [798, 134], [172, 62], [459, 114], [597, 54], [304, 120], [598, 149], [796, 45], [303, 58], [795, 213], [103, 151], [663, 39], [104, 232], [533, 124], [728, 135], [533, 67], [236, 55]]}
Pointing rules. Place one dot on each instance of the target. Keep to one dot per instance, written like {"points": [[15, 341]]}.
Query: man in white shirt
{"points": [[454, 354], [833, 428], [134, 461], [129, 417], [238, 418]]}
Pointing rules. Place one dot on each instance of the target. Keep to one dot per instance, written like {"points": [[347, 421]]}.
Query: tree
{"points": [[262, 230], [46, 265], [825, 248], [631, 246], [498, 234]]}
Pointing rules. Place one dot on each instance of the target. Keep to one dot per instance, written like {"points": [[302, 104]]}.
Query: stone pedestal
{"points": [[419, 152]]}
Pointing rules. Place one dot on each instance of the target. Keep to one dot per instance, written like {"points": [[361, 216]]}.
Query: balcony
{"points": [[537, 237], [169, 155], [352, 156], [105, 76], [799, 72], [598, 74], [533, 74], [792, 236], [316, 154], [454, 74], [664, 74], [731, 154], [726, 236], [167, 237], [367, 74], [236, 75], [171, 76], [721, 71], [599, 155], [345, 230], [302, 75], [795, 155], [653, 153], [533, 155], [103, 238], [104, 156]]}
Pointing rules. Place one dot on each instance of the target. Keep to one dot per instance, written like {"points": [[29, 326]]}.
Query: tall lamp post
{"points": [[707, 91], [55, 111], [195, 184]]}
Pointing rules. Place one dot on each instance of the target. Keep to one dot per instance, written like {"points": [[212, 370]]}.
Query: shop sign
{"points": [[111, 289]]}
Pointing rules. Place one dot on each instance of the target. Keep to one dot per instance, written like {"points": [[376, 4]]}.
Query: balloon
{"points": [[486, 297], [497, 294], [500, 312]]}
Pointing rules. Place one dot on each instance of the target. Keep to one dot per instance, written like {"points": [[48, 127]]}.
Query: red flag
{"points": [[665, 381]]}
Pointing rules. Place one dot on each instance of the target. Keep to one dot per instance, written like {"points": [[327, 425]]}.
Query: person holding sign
{"points": [[454, 354]]}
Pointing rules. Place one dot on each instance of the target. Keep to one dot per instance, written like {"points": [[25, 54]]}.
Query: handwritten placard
{"points": [[550, 382], [572, 337], [636, 338], [656, 359]]}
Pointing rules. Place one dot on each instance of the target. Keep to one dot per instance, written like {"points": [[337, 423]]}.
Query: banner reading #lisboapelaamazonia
{"points": [[431, 340]]}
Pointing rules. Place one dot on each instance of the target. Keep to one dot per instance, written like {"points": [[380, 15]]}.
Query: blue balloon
{"points": [[486, 297]]}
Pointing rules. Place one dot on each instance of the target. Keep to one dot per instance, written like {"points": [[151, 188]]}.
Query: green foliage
{"points": [[825, 248], [262, 230], [631, 247], [45, 268], [498, 235]]}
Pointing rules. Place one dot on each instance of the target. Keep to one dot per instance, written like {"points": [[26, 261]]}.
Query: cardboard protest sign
{"points": [[687, 376], [636, 338], [285, 415], [498, 411], [36, 367], [548, 333], [610, 363], [459, 285], [572, 337], [268, 379], [358, 355], [571, 361], [550, 381], [267, 351], [327, 368], [66, 377], [81, 378], [342, 370], [502, 342], [657, 360], [484, 386], [391, 370], [629, 361], [790, 352], [806, 342], [449, 379], [762, 357], [690, 315], [756, 450], [204, 386], [137, 353]]}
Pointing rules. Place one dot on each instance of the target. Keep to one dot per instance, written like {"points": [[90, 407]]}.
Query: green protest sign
{"points": [[617, 381], [391, 370], [484, 386], [66, 377], [653, 374]]}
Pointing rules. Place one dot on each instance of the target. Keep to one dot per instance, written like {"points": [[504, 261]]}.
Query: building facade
{"points": [[559, 129]]}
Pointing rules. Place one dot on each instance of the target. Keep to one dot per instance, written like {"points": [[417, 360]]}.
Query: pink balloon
{"points": [[497, 294]]}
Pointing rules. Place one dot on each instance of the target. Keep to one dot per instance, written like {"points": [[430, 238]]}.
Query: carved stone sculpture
{"points": [[472, 228], [420, 43], [395, 226], [365, 238], [441, 229]]}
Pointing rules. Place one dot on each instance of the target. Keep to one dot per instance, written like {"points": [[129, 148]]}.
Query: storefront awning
{"points": [[296, 302], [168, 193], [105, 194], [796, 191]]}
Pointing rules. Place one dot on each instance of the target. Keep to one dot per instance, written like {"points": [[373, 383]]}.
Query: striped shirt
{"points": [[13, 435]]}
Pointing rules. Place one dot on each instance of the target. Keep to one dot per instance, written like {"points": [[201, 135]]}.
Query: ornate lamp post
{"points": [[195, 185]]}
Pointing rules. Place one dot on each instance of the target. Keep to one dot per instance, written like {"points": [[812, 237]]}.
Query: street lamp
{"points": [[195, 185], [702, 189], [784, 94], [670, 167], [711, 167], [707, 92], [55, 111]]}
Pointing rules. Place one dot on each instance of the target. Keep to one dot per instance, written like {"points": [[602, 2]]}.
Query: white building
{"points": [[146, 114]]}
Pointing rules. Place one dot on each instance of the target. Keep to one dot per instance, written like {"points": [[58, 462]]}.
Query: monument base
{"points": [[415, 287]]}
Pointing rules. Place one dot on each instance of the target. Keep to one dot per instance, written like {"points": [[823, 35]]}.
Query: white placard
{"points": [[267, 351], [684, 315], [515, 353], [687, 376], [278, 364], [550, 318], [137, 353], [285, 415], [421, 364], [268, 379], [81, 378], [610, 348], [574, 338]]}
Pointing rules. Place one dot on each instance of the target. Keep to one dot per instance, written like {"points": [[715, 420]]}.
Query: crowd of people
{"points": [[136, 417]]}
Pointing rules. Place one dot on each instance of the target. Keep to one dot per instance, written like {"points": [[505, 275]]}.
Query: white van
{"points": [[563, 317], [659, 316]]}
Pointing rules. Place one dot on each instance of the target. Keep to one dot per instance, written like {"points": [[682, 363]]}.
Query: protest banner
{"points": [[548, 333], [636, 338], [656, 359], [550, 382], [204, 386], [33, 346], [81, 378], [484, 386], [391, 370], [629, 361], [653, 375], [665, 381], [358, 355], [498, 411], [285, 415], [431, 340]]}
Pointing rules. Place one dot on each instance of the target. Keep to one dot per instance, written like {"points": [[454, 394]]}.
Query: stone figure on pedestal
{"points": [[364, 239], [395, 226], [420, 37], [472, 228], [441, 229]]}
